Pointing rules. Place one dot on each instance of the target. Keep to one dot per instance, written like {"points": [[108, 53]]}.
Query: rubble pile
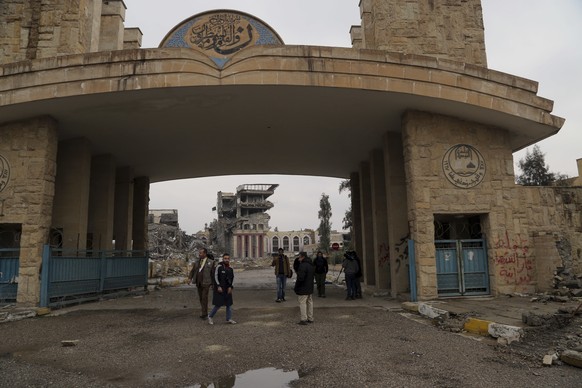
{"points": [[171, 250], [568, 283]]}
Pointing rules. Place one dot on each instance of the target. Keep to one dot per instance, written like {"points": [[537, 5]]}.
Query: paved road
{"points": [[158, 340]]}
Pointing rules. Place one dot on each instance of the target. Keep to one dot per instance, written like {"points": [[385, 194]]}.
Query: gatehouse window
{"points": [[286, 244], [295, 244]]}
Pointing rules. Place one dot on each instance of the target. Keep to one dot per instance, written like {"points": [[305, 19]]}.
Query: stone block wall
{"points": [[47, 28], [30, 148], [451, 29], [555, 215]]}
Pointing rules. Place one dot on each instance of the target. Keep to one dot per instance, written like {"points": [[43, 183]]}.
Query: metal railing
{"points": [[71, 276]]}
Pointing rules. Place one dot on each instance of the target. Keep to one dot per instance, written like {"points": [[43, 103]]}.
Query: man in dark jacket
{"points": [[223, 279], [321, 269], [304, 288]]}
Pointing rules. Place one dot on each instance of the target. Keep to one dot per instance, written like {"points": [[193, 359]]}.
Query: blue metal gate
{"points": [[462, 267], [70, 276], [9, 264]]}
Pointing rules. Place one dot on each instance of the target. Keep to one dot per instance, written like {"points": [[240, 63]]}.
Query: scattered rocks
{"points": [[67, 343]]}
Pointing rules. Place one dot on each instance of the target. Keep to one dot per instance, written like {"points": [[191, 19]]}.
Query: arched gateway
{"points": [[88, 121]]}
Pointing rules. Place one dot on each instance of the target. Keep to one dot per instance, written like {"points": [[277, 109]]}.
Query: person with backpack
{"points": [[222, 296], [321, 269]]}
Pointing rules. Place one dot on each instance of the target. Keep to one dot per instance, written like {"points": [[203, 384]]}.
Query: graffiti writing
{"points": [[402, 251], [384, 255], [512, 260]]}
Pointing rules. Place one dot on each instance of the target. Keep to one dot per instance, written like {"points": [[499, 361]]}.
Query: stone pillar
{"points": [[123, 214], [380, 220], [101, 202], [397, 213], [440, 28], [71, 204], [141, 200], [48, 28], [367, 253], [356, 36], [356, 213], [112, 29], [28, 154], [132, 38]]}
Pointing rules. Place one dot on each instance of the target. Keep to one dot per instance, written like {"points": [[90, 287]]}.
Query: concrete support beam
{"points": [[380, 220], [112, 29], [356, 212], [101, 202], [141, 200], [367, 253], [71, 203], [398, 232], [123, 214]]}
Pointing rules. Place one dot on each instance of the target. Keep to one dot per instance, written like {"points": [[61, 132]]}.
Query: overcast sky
{"points": [[535, 39]]}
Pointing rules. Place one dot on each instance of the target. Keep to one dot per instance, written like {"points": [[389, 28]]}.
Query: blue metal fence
{"points": [[68, 276], [9, 263]]}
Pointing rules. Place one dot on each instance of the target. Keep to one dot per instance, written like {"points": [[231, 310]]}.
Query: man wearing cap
{"points": [[304, 288], [201, 275]]}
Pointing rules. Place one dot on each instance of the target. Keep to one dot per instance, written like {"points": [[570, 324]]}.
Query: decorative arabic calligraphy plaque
{"points": [[464, 166], [220, 34], [4, 172]]}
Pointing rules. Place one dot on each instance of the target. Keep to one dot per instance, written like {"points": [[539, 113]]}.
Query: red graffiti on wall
{"points": [[512, 261], [384, 255]]}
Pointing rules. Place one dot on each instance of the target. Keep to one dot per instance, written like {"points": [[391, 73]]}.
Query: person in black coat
{"points": [[304, 288], [321, 269], [223, 279]]}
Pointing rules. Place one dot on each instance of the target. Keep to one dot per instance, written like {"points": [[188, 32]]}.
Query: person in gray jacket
{"points": [[351, 269], [201, 275]]}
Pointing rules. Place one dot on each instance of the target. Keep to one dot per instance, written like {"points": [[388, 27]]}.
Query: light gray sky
{"points": [[535, 39]]}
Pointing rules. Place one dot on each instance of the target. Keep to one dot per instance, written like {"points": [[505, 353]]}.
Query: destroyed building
{"points": [[165, 238], [243, 223]]}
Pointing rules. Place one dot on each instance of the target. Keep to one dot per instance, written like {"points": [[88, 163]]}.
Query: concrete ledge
{"points": [[17, 315], [431, 312], [506, 332], [477, 326], [410, 306]]}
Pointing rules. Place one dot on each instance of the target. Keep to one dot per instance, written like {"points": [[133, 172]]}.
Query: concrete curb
{"points": [[504, 333], [17, 315]]}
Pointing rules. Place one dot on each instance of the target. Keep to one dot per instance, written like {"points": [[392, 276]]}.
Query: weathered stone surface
{"points": [[431, 311], [572, 357], [548, 360], [509, 333]]}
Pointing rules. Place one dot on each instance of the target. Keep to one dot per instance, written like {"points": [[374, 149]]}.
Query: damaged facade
{"points": [[243, 222]]}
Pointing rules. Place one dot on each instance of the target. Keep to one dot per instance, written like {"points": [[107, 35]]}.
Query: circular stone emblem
{"points": [[464, 166], [4, 172]]}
